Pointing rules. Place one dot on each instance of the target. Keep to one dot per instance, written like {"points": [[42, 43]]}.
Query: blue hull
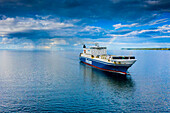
{"points": [[104, 66]]}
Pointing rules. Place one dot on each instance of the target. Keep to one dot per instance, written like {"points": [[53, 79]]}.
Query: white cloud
{"points": [[117, 26], [158, 21], [119, 45], [161, 36], [140, 45], [11, 40], [44, 47], [29, 47], [152, 2], [76, 44], [11, 25], [163, 29], [51, 43], [124, 35], [57, 41], [92, 29], [16, 43], [23, 43], [6, 41]]}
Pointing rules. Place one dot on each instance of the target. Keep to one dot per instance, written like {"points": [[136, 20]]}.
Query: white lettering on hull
{"points": [[88, 61]]}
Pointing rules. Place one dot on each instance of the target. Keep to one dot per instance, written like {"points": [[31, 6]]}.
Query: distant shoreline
{"points": [[145, 48]]}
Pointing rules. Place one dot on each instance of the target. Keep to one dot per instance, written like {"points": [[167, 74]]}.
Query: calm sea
{"points": [[37, 81]]}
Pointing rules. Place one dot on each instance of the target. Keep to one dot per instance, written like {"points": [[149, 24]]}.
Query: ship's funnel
{"points": [[84, 46]]}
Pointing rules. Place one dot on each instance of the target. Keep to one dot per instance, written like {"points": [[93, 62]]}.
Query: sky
{"points": [[67, 24]]}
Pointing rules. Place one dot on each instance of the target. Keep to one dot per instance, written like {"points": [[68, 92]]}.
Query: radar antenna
{"points": [[97, 44]]}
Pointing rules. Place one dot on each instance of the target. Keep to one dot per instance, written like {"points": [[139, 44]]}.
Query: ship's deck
{"points": [[109, 59]]}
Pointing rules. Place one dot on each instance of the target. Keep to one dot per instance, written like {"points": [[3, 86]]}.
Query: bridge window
{"points": [[132, 57]]}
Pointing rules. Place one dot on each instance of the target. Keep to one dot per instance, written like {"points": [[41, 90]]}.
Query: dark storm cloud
{"points": [[160, 5], [120, 10], [63, 22], [44, 34], [33, 34]]}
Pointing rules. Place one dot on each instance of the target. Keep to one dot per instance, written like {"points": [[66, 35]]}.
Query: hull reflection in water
{"points": [[114, 79]]}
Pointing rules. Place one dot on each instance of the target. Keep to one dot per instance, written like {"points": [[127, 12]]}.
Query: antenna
{"points": [[97, 44]]}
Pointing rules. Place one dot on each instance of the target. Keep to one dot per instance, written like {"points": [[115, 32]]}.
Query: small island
{"points": [[145, 48]]}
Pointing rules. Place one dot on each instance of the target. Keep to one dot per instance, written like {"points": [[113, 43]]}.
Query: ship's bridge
{"points": [[95, 50]]}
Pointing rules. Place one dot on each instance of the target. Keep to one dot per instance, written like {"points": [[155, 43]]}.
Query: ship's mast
{"points": [[97, 44]]}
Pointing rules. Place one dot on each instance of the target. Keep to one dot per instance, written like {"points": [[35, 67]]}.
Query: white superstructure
{"points": [[95, 50]]}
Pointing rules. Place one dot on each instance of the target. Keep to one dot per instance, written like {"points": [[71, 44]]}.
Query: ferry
{"points": [[97, 57]]}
